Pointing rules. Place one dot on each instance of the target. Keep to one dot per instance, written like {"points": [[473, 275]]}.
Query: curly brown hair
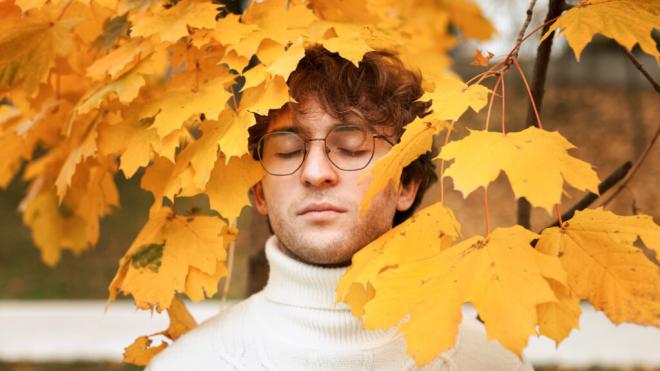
{"points": [[380, 92]]}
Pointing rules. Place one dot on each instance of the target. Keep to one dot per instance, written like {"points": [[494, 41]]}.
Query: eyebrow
{"points": [[287, 129], [291, 128]]}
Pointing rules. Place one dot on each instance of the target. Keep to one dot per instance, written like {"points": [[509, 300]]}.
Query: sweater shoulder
{"points": [[213, 342], [474, 351]]}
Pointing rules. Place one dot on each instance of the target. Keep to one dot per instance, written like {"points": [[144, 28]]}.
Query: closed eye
{"points": [[286, 155], [348, 152]]}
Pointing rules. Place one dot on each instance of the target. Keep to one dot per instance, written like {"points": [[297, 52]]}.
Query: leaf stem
{"points": [[561, 222], [503, 106], [486, 208], [529, 92], [492, 99], [555, 8]]}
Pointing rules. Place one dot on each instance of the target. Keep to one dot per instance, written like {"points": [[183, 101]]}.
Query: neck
{"points": [[300, 301]]}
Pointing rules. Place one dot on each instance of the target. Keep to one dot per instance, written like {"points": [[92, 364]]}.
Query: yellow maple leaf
{"points": [[467, 16], [255, 76], [273, 93], [172, 24], [502, 276], [181, 321], [121, 59], [54, 227], [423, 235], [202, 61], [230, 30], [481, 59], [192, 168], [158, 262], [140, 352], [351, 47], [85, 149], [125, 88], [282, 21], [557, 320], [452, 97], [536, 162], [180, 102], [628, 22], [234, 143], [596, 249], [28, 45], [415, 141], [288, 61], [230, 182], [13, 151], [93, 194]]}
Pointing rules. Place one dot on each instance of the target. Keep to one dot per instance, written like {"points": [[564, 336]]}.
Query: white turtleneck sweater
{"points": [[294, 324]]}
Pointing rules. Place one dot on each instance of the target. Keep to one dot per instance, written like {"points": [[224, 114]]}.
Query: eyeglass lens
{"points": [[347, 147]]}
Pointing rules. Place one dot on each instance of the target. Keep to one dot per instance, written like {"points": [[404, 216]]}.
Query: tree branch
{"points": [[603, 187], [642, 70], [538, 85], [634, 169], [521, 34]]}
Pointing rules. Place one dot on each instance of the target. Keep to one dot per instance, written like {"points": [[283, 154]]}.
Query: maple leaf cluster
{"points": [[90, 89]]}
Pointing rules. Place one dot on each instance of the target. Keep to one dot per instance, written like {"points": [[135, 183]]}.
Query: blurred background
{"points": [[53, 318]]}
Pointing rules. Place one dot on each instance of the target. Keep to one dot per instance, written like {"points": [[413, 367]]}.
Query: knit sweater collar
{"points": [[300, 302], [292, 282]]}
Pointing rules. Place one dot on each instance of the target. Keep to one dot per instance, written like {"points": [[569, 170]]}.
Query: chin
{"points": [[324, 246]]}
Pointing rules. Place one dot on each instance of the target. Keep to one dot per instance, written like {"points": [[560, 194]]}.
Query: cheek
{"points": [[278, 192]]}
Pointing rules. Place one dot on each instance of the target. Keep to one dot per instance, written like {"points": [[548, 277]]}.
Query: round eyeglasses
{"points": [[347, 147]]}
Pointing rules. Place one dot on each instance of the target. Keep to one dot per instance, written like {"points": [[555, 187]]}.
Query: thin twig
{"points": [[521, 34], [634, 169], [642, 70]]}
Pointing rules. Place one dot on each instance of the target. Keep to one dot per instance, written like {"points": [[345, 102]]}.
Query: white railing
{"points": [[81, 331]]}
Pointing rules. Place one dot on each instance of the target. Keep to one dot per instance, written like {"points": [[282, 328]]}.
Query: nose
{"points": [[317, 171]]}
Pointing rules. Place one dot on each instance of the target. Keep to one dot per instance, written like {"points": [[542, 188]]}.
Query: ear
{"points": [[259, 199], [407, 194]]}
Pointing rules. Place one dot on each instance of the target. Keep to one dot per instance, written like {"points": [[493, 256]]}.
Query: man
{"points": [[314, 153]]}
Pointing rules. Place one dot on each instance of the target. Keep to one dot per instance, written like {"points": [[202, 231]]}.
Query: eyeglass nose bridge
{"points": [[326, 150], [327, 153]]}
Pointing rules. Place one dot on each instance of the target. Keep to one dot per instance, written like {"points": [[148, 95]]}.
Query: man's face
{"points": [[314, 212]]}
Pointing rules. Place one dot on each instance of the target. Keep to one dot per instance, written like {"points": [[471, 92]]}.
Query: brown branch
{"points": [[538, 85], [625, 172], [634, 169], [521, 34], [642, 70], [603, 187]]}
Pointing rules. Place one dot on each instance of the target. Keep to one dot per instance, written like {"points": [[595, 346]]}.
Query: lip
{"points": [[321, 208]]}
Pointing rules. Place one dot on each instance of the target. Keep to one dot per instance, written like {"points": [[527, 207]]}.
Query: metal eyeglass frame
{"points": [[325, 145]]}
